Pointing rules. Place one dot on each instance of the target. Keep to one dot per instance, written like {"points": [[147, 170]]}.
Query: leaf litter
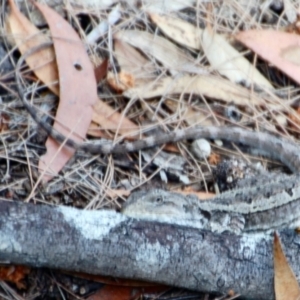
{"points": [[167, 66]]}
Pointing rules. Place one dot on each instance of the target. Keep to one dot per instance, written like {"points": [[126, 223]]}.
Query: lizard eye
{"points": [[159, 199]]}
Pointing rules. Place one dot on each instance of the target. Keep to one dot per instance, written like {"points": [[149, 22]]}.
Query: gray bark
{"points": [[108, 243]]}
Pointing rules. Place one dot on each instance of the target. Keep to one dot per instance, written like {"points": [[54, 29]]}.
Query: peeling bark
{"points": [[108, 243]]}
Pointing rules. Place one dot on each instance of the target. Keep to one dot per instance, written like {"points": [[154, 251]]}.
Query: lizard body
{"points": [[257, 208]]}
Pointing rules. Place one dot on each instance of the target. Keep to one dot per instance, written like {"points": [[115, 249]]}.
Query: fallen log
{"points": [[108, 243]]}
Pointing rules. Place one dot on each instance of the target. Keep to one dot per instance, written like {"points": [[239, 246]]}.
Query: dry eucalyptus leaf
{"points": [[110, 119], [173, 58], [189, 114], [229, 62], [279, 48], [285, 283], [27, 36], [75, 109], [210, 86], [132, 62], [178, 30]]}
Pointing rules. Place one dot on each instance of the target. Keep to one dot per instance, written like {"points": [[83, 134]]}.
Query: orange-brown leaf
{"points": [[285, 282], [279, 48], [27, 36], [124, 293], [78, 90], [14, 274], [109, 119]]}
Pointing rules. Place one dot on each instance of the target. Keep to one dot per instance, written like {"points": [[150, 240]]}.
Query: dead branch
{"points": [[108, 243]]}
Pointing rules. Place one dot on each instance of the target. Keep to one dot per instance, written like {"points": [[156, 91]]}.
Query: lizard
{"points": [[252, 209]]}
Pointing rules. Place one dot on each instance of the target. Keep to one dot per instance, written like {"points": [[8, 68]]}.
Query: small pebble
{"points": [[201, 148]]}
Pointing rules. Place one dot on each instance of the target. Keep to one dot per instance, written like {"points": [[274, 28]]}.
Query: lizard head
{"points": [[167, 207]]}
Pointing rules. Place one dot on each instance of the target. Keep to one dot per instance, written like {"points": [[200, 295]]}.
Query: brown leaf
{"points": [[27, 36], [109, 119], [132, 62], [101, 70], [4, 121], [14, 274], [294, 118], [279, 48], [285, 282], [104, 115], [113, 292], [114, 280], [121, 81], [125, 293], [214, 159], [78, 90]]}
